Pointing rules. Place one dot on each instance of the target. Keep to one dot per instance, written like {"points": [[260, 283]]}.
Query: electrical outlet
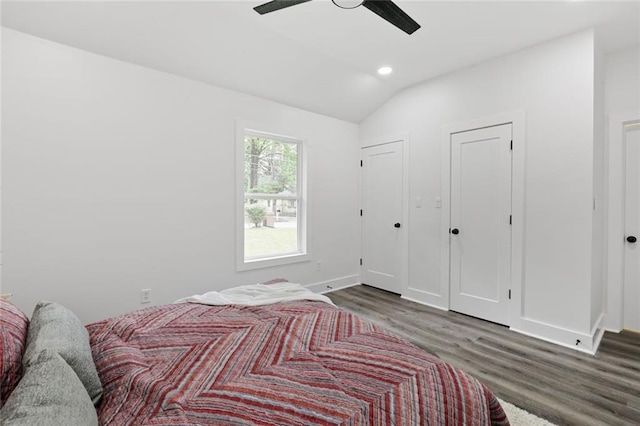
{"points": [[145, 295], [318, 266]]}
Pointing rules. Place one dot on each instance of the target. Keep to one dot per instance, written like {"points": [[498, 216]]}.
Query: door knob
{"points": [[632, 239], [455, 231], [397, 225]]}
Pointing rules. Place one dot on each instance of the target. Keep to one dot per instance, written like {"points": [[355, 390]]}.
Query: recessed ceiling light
{"points": [[385, 70]]}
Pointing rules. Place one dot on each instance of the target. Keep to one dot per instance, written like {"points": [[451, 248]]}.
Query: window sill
{"points": [[247, 265]]}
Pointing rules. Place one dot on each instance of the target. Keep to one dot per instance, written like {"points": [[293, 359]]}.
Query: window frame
{"points": [[242, 263]]}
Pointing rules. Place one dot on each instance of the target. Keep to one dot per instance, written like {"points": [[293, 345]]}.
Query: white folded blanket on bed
{"points": [[256, 295]]}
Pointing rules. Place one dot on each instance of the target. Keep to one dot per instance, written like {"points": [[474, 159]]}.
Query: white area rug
{"points": [[519, 417]]}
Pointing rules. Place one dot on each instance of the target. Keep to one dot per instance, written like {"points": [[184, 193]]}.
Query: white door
{"points": [[632, 228], [382, 216], [480, 235]]}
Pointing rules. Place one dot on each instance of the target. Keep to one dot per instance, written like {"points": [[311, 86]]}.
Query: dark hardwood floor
{"points": [[564, 386]]}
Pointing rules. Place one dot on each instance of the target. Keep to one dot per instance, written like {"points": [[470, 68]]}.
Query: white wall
{"points": [[118, 178], [553, 83], [0, 162], [598, 288], [622, 81], [622, 99]]}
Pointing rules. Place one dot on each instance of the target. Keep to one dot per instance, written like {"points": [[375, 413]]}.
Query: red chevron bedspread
{"points": [[293, 363]]}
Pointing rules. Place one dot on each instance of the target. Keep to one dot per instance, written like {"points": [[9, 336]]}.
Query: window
{"points": [[273, 208]]}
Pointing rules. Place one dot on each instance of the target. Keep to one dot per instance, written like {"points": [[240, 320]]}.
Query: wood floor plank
{"points": [[553, 382]]}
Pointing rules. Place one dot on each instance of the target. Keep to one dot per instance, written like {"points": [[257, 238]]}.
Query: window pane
{"points": [[270, 228], [270, 166]]}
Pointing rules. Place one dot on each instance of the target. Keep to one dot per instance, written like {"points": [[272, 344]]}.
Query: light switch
{"points": [[438, 202], [418, 202]]}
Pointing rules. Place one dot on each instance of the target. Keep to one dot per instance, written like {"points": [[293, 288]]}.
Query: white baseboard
{"points": [[589, 342], [611, 325], [583, 342], [335, 284], [597, 338], [426, 298], [424, 303]]}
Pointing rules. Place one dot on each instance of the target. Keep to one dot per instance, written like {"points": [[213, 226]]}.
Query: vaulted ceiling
{"points": [[316, 56]]}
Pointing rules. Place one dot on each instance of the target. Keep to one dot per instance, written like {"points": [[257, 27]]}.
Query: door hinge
{"points": [[360, 212], [511, 146], [360, 261], [509, 294], [510, 219], [360, 163]]}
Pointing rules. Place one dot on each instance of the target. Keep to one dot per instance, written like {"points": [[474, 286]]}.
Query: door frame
{"points": [[517, 120], [404, 230], [615, 198]]}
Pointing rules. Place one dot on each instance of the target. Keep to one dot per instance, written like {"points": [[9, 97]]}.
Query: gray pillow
{"points": [[56, 328], [50, 393]]}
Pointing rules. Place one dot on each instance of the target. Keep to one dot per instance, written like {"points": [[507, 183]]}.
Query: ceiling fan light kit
{"points": [[386, 9], [347, 4]]}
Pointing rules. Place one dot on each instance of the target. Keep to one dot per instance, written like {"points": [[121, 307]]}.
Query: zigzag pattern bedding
{"points": [[294, 363]]}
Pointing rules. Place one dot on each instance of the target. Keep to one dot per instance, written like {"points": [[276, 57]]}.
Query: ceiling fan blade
{"points": [[389, 11], [274, 5]]}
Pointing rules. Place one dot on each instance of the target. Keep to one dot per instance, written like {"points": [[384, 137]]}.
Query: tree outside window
{"points": [[272, 196]]}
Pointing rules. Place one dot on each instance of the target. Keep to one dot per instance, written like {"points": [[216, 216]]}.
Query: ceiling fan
{"points": [[386, 9]]}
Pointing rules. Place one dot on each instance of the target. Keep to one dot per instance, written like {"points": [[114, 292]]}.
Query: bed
{"points": [[295, 362]]}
